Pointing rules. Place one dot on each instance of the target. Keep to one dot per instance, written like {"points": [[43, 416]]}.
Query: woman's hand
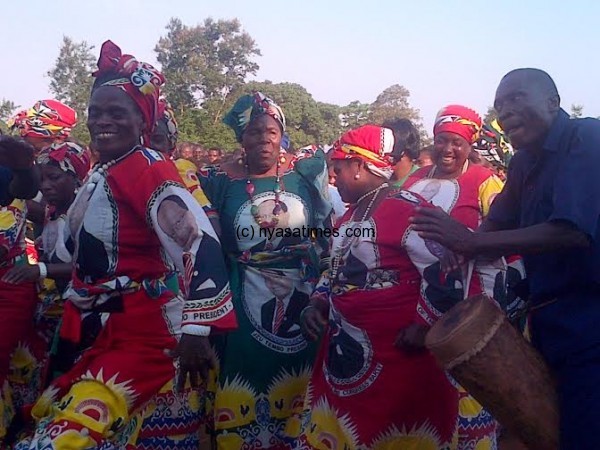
{"points": [[313, 319], [15, 153], [196, 358], [22, 274], [412, 338]]}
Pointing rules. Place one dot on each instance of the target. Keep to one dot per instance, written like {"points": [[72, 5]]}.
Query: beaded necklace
{"points": [[348, 241], [101, 170], [250, 188]]}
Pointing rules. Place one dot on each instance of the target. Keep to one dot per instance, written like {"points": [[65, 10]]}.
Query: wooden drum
{"points": [[485, 354]]}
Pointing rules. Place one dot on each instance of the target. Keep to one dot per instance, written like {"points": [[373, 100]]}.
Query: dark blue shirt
{"points": [[561, 183], [5, 179]]}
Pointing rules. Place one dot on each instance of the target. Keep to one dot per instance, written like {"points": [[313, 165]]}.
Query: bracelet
{"points": [[196, 330], [43, 271], [304, 311]]}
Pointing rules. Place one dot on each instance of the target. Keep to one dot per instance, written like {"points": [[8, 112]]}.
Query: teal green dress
{"points": [[256, 399]]}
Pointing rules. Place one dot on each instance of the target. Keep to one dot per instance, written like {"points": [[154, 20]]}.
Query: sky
{"points": [[442, 51]]}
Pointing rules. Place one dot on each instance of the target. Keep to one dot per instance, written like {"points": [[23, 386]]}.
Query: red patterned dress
{"points": [[467, 199], [130, 225], [364, 392]]}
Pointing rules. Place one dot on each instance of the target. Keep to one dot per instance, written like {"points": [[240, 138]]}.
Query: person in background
{"points": [[18, 181], [407, 142], [214, 156], [339, 207], [63, 167], [425, 156]]}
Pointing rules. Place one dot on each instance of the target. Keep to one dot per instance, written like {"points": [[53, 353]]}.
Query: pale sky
{"points": [[444, 51]]}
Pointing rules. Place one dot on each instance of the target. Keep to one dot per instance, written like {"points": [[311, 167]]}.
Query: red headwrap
{"points": [[459, 120], [372, 144], [69, 156], [49, 119], [139, 80]]}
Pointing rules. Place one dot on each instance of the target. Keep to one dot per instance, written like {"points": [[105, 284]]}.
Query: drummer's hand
{"points": [[312, 319], [436, 225], [412, 338], [451, 262], [196, 358]]}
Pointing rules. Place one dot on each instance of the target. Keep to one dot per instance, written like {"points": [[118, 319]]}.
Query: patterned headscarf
{"points": [[69, 157], [166, 113], [372, 144], [459, 120], [48, 119], [137, 79], [249, 107], [493, 145]]}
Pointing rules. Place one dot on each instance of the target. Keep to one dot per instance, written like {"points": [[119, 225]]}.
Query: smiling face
{"points": [[114, 121], [526, 108], [450, 152], [262, 142]]}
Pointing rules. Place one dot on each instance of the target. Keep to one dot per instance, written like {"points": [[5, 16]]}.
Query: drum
{"points": [[485, 354]]}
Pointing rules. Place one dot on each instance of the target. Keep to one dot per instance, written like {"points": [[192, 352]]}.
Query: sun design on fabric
{"points": [[235, 404], [22, 365], [286, 392], [424, 437], [122, 388], [334, 432]]}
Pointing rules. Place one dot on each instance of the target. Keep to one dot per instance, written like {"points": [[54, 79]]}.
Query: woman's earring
{"points": [[357, 176]]}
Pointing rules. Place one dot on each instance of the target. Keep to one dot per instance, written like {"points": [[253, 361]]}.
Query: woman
{"points": [[407, 142], [121, 314], [17, 302], [263, 205], [365, 393], [465, 191], [164, 139], [62, 168]]}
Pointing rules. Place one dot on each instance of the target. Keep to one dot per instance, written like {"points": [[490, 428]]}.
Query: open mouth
{"points": [[514, 131], [105, 135]]}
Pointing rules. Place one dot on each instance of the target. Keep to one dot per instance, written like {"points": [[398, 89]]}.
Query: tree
{"points": [[490, 115], [355, 114], [203, 64], [71, 81], [576, 111], [7, 109], [393, 103]]}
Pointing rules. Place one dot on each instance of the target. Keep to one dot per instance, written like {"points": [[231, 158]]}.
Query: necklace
{"points": [[101, 170], [250, 188], [348, 241]]}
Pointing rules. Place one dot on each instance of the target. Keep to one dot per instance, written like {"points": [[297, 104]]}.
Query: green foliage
{"points": [[71, 81], [490, 115], [576, 111]]}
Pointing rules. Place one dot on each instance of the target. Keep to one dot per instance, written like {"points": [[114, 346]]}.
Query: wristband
{"points": [[196, 330], [43, 271]]}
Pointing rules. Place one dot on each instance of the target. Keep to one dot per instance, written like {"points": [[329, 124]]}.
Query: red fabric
{"points": [[70, 157], [377, 140], [394, 391], [139, 80], [459, 120], [17, 305], [46, 119]]}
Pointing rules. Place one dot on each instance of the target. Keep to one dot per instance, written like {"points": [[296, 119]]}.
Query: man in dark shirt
{"points": [[17, 178], [548, 212]]}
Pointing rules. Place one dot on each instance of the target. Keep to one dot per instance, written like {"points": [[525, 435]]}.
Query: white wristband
{"points": [[43, 271], [196, 330]]}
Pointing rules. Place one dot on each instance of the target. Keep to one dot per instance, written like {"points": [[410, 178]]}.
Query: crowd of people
{"points": [[147, 303]]}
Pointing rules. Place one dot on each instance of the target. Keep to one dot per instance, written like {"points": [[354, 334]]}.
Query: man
{"points": [[214, 156], [549, 212]]}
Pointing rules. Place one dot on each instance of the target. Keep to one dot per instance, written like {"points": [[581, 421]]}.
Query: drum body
{"points": [[485, 354]]}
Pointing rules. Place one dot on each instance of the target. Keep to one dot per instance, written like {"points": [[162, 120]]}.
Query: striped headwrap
{"points": [[459, 120], [370, 143], [70, 157], [249, 107], [48, 119]]}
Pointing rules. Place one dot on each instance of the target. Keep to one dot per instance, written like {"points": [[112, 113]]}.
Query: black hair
{"points": [[407, 139]]}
